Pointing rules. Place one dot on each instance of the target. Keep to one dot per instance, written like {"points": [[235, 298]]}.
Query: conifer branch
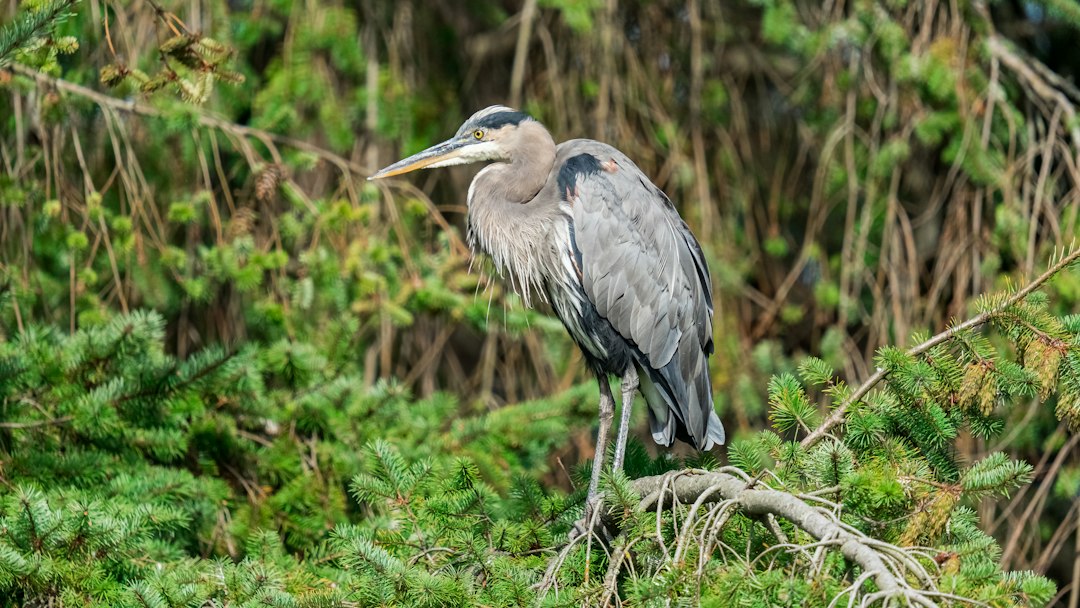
{"points": [[34, 24], [837, 415]]}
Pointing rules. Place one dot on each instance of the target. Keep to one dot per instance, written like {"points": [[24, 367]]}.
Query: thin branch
{"points": [[837, 415], [347, 167], [1036, 76], [517, 76], [134, 106], [37, 423]]}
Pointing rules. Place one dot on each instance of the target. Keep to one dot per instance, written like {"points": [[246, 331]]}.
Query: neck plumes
{"points": [[507, 220]]}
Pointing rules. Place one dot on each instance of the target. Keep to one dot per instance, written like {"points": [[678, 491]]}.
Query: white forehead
{"points": [[488, 111]]}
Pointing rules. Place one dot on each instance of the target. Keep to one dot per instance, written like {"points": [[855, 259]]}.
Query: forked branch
{"points": [[885, 564], [890, 567]]}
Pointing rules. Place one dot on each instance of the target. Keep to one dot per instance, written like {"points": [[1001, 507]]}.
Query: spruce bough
{"points": [[133, 478]]}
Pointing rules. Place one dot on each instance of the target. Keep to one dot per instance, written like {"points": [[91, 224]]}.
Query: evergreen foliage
{"points": [[233, 373], [28, 32], [123, 466], [135, 478]]}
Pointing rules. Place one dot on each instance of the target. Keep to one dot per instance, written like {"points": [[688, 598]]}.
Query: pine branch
{"points": [[837, 415], [34, 24], [162, 388]]}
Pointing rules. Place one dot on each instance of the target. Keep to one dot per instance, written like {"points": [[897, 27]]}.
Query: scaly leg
{"points": [[629, 386], [607, 412]]}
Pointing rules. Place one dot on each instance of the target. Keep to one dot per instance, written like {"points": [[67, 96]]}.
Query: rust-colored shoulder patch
{"points": [[574, 263], [610, 165]]}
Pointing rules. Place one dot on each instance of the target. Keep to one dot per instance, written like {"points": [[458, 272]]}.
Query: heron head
{"points": [[487, 135]]}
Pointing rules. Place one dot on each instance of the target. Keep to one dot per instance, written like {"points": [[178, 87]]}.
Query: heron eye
{"points": [[478, 134]]}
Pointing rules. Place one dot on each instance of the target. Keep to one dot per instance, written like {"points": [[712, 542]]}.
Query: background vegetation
{"points": [[234, 372]]}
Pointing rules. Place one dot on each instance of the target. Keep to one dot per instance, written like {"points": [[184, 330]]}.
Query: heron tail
{"points": [[678, 413]]}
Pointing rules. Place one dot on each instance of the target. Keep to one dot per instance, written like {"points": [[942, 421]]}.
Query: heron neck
{"points": [[511, 219], [521, 177]]}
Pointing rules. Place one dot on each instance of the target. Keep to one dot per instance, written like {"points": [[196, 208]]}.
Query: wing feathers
{"points": [[645, 273]]}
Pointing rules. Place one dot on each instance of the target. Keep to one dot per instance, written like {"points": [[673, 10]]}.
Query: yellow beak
{"points": [[445, 151]]}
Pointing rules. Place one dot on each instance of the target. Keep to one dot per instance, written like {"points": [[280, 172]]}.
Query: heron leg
{"points": [[607, 413], [629, 387]]}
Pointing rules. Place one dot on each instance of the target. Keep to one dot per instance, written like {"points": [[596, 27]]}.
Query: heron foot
{"points": [[589, 527]]}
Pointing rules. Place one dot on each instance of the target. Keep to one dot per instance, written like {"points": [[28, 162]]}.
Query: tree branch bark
{"points": [[753, 501]]}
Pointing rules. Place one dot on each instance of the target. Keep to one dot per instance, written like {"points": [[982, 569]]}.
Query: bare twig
{"points": [[517, 76], [30, 425], [1036, 75], [241, 133], [134, 106]]}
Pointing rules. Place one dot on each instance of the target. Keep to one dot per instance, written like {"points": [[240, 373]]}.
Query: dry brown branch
{"points": [[517, 77], [240, 133], [134, 106], [1034, 75], [1032, 512], [37, 423]]}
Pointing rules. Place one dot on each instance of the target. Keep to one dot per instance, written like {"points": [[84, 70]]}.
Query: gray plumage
{"points": [[580, 225], [645, 273]]}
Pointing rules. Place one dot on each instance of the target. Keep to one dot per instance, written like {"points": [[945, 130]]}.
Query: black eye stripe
{"points": [[501, 119]]}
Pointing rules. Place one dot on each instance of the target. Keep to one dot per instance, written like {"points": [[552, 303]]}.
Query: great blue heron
{"points": [[580, 225]]}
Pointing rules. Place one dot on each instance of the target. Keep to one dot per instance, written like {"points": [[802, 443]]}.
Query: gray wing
{"points": [[645, 273]]}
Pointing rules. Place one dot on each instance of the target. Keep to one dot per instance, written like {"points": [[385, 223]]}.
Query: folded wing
{"points": [[645, 273]]}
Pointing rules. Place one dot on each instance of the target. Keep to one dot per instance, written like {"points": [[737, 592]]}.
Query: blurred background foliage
{"points": [[856, 172]]}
